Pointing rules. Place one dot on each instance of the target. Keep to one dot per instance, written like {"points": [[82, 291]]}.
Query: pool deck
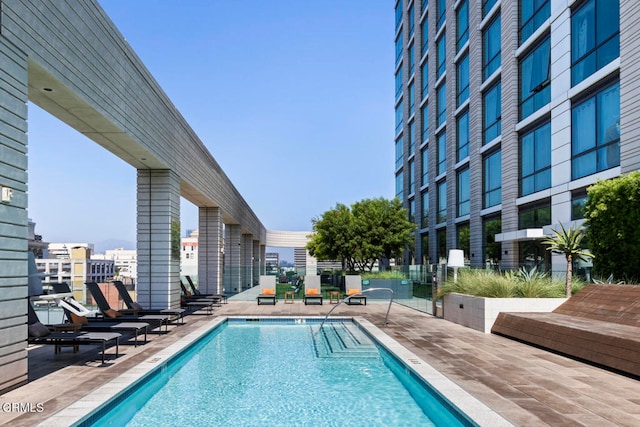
{"points": [[525, 385]]}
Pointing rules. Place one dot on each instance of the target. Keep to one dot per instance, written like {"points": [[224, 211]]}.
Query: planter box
{"points": [[480, 313]]}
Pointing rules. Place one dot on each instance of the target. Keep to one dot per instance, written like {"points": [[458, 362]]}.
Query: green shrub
{"points": [[383, 275], [518, 284]]}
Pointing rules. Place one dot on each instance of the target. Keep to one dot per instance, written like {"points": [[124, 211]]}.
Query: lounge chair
{"points": [[77, 316], [196, 292], [41, 334], [156, 320], [267, 290], [195, 303], [177, 313], [312, 289], [353, 290]]}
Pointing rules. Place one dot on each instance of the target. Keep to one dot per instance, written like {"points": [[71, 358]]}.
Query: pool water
{"points": [[264, 374]]}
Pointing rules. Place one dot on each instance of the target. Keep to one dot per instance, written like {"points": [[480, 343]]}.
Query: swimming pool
{"points": [[280, 372]]}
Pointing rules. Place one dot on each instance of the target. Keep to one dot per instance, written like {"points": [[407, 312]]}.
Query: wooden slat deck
{"points": [[600, 324]]}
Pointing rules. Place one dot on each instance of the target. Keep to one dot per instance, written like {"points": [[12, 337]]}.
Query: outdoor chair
{"points": [[39, 333], [312, 290], [267, 290], [176, 313], [155, 320]]}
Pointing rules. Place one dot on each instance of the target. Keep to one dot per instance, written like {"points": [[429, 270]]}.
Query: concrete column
{"points": [[13, 216], [158, 284], [263, 255], [210, 250], [232, 237], [256, 262], [246, 261]]}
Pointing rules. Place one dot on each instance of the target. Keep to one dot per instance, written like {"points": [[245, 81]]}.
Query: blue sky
{"points": [[293, 98]]}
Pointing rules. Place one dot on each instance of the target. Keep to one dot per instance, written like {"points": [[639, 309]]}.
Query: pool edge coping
{"points": [[477, 411], [471, 406]]}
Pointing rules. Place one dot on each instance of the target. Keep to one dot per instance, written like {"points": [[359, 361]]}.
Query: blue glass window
{"points": [[412, 59], [535, 87], [425, 209], [463, 79], [492, 48], [535, 216], [399, 151], [442, 12], [595, 133], [595, 37], [412, 177], [442, 202], [464, 193], [535, 160], [492, 113], [425, 122], [425, 79], [412, 136], [399, 48], [491, 250], [463, 24], [493, 179], [533, 13], [441, 243], [463, 136], [399, 115], [442, 153], [442, 104], [578, 200], [399, 82], [412, 210], [399, 185], [398, 15], [441, 55], [487, 5], [425, 166], [425, 3], [425, 36], [411, 21], [412, 99]]}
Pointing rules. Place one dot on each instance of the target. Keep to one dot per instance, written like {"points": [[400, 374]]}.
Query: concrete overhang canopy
{"points": [[520, 235], [287, 239]]}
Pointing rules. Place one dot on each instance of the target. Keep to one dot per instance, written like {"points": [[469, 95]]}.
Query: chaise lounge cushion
{"points": [[268, 291], [313, 292], [112, 313], [353, 291], [38, 330], [81, 320]]}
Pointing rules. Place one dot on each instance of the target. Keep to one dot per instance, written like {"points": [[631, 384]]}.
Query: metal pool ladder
{"points": [[347, 298]]}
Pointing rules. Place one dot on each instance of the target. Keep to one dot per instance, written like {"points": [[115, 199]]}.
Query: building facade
{"points": [[506, 111], [125, 263]]}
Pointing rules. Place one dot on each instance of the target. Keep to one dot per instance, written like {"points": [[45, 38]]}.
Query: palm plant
{"points": [[568, 243]]}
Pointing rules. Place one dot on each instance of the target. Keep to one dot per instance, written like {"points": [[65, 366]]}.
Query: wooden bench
{"points": [[600, 324]]}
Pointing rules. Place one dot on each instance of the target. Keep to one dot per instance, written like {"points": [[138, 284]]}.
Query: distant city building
{"points": [[125, 261], [189, 254], [272, 263], [72, 263]]}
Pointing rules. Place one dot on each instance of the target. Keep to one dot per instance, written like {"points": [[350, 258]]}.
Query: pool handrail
{"points": [[347, 298]]}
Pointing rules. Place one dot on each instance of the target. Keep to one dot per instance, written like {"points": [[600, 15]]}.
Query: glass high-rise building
{"points": [[505, 112]]}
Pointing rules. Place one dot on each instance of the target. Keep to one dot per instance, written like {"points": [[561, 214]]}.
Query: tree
{"points": [[333, 233], [612, 212], [568, 243], [358, 237]]}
